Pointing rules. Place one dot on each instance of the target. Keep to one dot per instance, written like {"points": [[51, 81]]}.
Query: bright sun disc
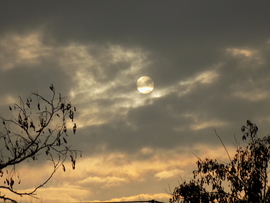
{"points": [[145, 85]]}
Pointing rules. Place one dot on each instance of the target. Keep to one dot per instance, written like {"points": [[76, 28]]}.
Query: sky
{"points": [[209, 61]]}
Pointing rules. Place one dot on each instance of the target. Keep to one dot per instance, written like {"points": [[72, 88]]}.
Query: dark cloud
{"points": [[142, 22]]}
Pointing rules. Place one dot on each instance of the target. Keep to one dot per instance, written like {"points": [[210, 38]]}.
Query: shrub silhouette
{"points": [[243, 179]]}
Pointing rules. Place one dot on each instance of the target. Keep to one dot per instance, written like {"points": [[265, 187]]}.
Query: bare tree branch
{"points": [[38, 126], [223, 145]]}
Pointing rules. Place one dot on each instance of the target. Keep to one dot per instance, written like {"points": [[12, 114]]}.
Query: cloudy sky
{"points": [[209, 61]]}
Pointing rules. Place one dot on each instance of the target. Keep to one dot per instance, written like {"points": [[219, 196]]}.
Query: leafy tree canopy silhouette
{"points": [[38, 126], [243, 179]]}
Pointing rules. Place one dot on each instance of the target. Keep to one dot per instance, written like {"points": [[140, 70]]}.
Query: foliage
{"points": [[38, 127], [190, 192], [243, 179]]}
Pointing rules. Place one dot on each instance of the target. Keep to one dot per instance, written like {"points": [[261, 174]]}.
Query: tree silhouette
{"points": [[243, 179], [38, 126]]}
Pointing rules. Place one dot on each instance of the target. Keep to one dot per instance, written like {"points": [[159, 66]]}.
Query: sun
{"points": [[145, 85]]}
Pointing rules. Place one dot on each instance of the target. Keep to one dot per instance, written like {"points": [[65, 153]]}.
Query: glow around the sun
{"points": [[145, 85]]}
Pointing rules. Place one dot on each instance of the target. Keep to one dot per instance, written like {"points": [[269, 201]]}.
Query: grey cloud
{"points": [[143, 22]]}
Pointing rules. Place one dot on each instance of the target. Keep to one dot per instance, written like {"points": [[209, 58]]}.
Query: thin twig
{"points": [[223, 145]]}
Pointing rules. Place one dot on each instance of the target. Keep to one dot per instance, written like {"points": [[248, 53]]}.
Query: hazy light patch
{"points": [[241, 52], [200, 123], [76, 59], [160, 92], [36, 172], [257, 95], [8, 100], [22, 49], [246, 55], [108, 181], [251, 90], [217, 152], [147, 150], [205, 77], [208, 124], [120, 54], [186, 86], [168, 174], [64, 193]]}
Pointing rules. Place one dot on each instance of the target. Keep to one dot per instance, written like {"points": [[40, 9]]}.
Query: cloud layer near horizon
{"points": [[209, 62]]}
